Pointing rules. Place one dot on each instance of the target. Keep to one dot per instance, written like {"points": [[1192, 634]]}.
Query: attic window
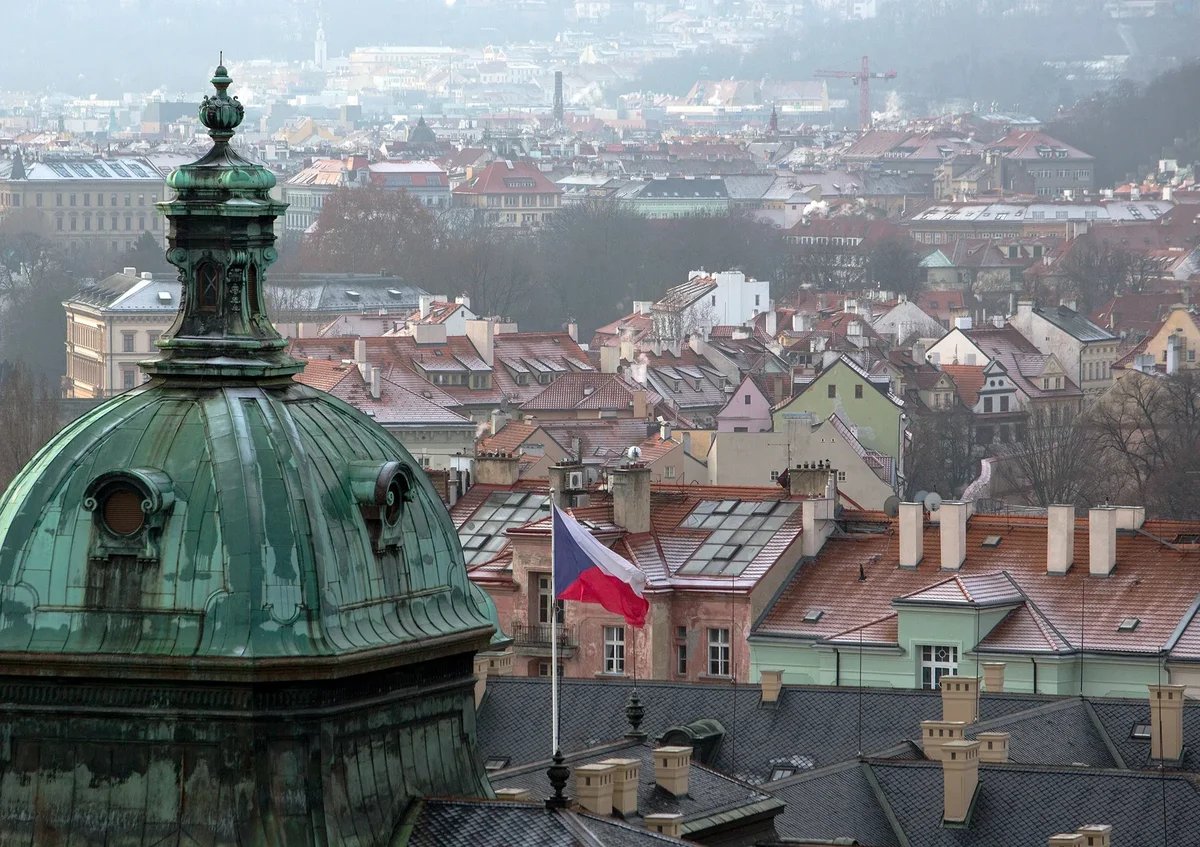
{"points": [[1141, 731], [991, 541], [781, 773], [495, 763], [1128, 624], [813, 615], [1187, 538], [353, 295]]}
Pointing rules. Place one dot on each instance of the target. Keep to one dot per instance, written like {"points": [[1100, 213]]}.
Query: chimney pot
{"points": [[993, 747], [772, 684], [912, 534], [1166, 722], [631, 498], [959, 696], [672, 766], [594, 787], [1102, 540], [625, 784], [993, 677], [953, 534], [1060, 538], [960, 778], [668, 824]]}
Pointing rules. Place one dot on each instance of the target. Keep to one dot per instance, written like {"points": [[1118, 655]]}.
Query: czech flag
{"points": [[586, 570]]}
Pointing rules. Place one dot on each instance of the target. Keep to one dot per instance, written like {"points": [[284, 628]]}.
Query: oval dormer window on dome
{"points": [[122, 514], [129, 510], [382, 490]]}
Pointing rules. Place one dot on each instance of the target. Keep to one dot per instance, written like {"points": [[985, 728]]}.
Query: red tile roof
{"points": [[508, 177], [968, 379], [511, 436]]}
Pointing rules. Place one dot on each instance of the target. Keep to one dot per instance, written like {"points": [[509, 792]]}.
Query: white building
{"points": [[706, 300]]}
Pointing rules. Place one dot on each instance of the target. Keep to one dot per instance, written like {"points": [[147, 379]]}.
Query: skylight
{"points": [[738, 531], [781, 773], [1141, 730], [991, 541], [482, 537], [813, 615], [495, 763], [1128, 624]]}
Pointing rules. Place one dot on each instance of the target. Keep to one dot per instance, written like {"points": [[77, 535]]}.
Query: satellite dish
{"points": [[891, 506], [634, 453], [933, 501], [920, 496]]}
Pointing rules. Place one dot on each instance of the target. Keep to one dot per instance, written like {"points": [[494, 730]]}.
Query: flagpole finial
{"points": [[634, 713], [558, 773]]}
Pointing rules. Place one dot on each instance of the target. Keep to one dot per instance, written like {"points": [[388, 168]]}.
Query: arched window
{"points": [[208, 275], [252, 290]]}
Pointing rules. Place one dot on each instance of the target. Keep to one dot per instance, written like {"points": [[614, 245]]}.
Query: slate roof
{"points": [[806, 728], [709, 793], [124, 293], [1074, 324], [438, 822], [834, 802]]}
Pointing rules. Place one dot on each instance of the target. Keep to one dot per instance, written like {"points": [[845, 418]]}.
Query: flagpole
{"points": [[553, 638]]}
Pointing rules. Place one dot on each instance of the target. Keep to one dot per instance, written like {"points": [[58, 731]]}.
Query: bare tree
{"points": [[942, 455], [829, 267], [29, 417], [1053, 461], [895, 265]]}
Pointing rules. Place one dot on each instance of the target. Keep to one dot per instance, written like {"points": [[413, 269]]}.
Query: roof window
{"points": [[1128, 624], [781, 773], [1140, 731], [991, 541], [813, 615], [495, 763]]}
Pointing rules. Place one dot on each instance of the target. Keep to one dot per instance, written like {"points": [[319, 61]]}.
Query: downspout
{"points": [[1032, 659], [837, 668]]}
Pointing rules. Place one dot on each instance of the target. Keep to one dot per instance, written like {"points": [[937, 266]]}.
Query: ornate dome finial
{"points": [[220, 112]]}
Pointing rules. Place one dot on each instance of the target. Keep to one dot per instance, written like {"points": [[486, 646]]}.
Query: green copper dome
{"points": [[222, 512]]}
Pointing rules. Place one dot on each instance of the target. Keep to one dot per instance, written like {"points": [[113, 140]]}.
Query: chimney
{"points": [[772, 685], [664, 431], [962, 322], [376, 384], [360, 352], [573, 330], [671, 768], [129, 271], [1066, 839], [918, 352], [1130, 517], [481, 675], [1102, 540], [1096, 834], [499, 419], [960, 779], [664, 823], [1060, 538], [482, 334], [515, 795], [502, 469], [639, 404], [146, 275], [937, 734], [912, 534], [631, 498], [993, 747], [610, 359], [771, 321], [424, 304], [1173, 344], [953, 534], [960, 695], [1166, 722], [625, 785], [565, 496], [430, 334], [594, 787], [816, 523], [993, 677]]}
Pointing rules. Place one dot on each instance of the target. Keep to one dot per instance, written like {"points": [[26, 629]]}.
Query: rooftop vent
{"points": [[164, 296]]}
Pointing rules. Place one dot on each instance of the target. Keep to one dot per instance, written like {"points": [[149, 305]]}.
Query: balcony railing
{"points": [[539, 636]]}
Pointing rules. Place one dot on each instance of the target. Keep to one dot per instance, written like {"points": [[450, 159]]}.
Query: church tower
{"points": [[320, 51]]}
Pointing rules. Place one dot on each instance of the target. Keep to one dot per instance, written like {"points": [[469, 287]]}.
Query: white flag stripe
{"points": [[608, 561]]}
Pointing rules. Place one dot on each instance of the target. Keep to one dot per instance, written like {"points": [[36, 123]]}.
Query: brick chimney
{"points": [[993, 677], [671, 768], [993, 747], [772, 685], [953, 534], [1166, 722], [1060, 539], [935, 735], [497, 469], [912, 534], [594, 787], [670, 825], [625, 785], [960, 696], [631, 497], [960, 779], [517, 795], [1096, 834], [1102, 540]]}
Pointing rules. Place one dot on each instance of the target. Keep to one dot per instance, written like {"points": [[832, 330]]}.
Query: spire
{"points": [[774, 121], [18, 166], [222, 238]]}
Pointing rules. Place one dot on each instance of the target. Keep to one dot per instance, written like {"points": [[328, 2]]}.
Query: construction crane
{"points": [[862, 79]]}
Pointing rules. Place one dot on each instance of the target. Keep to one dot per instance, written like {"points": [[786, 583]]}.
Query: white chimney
{"points": [[1060, 538], [1130, 517], [129, 271], [1173, 345], [573, 330], [817, 524], [912, 534], [953, 534], [147, 275], [360, 356], [770, 320], [376, 386], [1102, 540], [463, 300], [963, 322], [482, 334]]}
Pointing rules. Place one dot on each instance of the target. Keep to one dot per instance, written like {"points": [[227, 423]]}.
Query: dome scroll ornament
{"points": [[219, 112]]}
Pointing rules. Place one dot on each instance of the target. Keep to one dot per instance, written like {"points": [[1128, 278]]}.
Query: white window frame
{"points": [[719, 656], [614, 649], [545, 599], [937, 660]]}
